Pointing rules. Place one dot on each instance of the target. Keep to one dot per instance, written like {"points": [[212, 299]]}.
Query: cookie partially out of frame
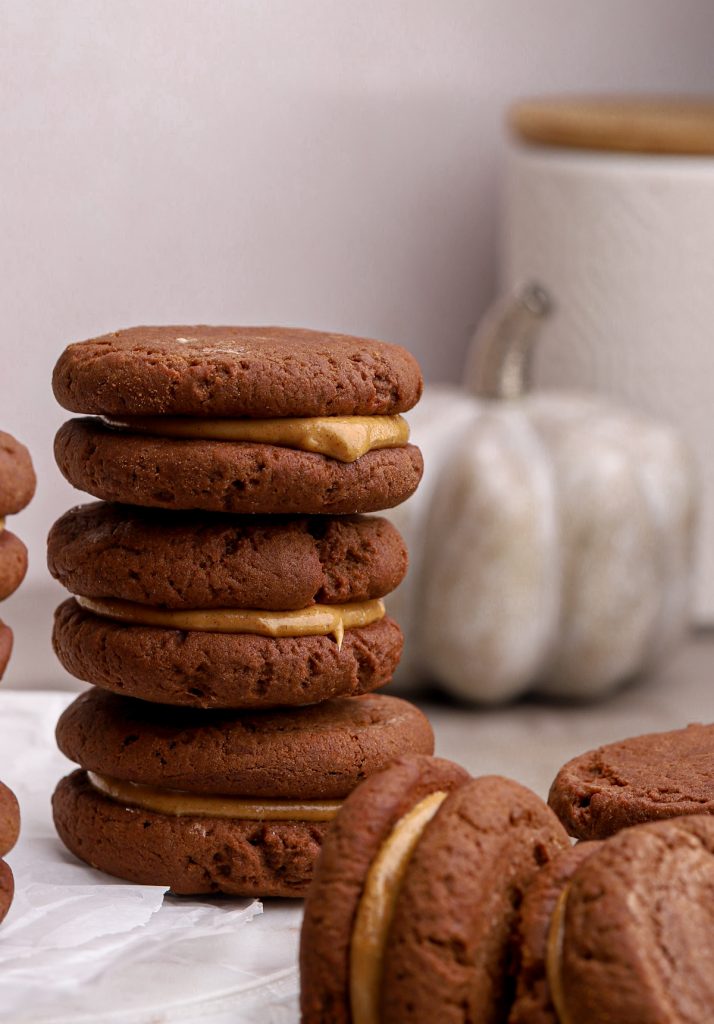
{"points": [[644, 778]]}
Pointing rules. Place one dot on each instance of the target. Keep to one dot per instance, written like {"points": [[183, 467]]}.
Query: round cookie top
{"points": [[194, 560], [658, 775], [9, 819], [638, 927], [17, 476], [236, 372], [365, 821], [318, 752]]}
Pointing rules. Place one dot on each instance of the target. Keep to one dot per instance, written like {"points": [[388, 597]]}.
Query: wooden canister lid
{"points": [[634, 124]]}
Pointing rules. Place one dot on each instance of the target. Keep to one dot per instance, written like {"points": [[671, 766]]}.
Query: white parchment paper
{"points": [[79, 946]]}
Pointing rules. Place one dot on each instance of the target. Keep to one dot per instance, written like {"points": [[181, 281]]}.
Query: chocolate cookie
{"points": [[658, 775], [235, 372], [365, 822], [139, 569], [9, 831], [634, 930], [198, 560], [17, 477], [533, 1003], [412, 910], [13, 563], [9, 819], [227, 803], [228, 476], [223, 670], [5, 646]]}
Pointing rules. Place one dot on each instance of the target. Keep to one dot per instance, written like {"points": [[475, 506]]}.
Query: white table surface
{"points": [[527, 741]]}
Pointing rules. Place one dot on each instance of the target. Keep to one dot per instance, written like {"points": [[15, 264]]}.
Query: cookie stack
{"points": [[227, 597]]}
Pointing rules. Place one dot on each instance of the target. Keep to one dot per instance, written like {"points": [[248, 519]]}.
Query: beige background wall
{"points": [[316, 162]]}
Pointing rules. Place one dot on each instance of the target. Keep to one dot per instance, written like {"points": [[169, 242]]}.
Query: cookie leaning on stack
{"points": [[247, 579]]}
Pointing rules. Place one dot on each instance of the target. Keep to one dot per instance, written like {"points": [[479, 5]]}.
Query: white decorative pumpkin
{"points": [[551, 539]]}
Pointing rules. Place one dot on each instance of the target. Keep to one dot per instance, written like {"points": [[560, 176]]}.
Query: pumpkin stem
{"points": [[499, 360]]}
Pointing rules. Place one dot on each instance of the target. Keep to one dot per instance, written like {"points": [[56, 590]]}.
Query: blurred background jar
{"points": [[610, 205]]}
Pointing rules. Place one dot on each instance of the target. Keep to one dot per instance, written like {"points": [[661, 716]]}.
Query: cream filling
{"points": [[554, 957], [317, 620], [176, 802], [345, 438], [376, 908]]}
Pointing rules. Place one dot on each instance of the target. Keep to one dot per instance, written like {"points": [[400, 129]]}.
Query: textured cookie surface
{"points": [[448, 955], [226, 476], [9, 819], [17, 477], [7, 888], [5, 647], [13, 563], [227, 670], [363, 824], [193, 855], [533, 1003], [658, 775], [638, 938], [200, 560], [235, 371], [322, 751]]}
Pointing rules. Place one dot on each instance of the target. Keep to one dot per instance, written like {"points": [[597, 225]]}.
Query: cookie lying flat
{"points": [[225, 803], [197, 560], [533, 1003], [159, 597], [5, 646], [9, 831], [413, 905], [658, 775], [239, 420], [633, 934], [17, 477]]}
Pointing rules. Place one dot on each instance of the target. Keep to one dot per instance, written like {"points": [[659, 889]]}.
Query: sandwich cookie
{"points": [[17, 486], [230, 803], [214, 611], [9, 831], [658, 775], [632, 935], [239, 419], [411, 913], [533, 1003]]}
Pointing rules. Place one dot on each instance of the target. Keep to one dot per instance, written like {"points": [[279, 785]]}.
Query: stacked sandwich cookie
{"points": [[9, 831], [227, 597]]}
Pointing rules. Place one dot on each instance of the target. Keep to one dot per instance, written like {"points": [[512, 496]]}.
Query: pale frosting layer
{"points": [[554, 957], [176, 802], [317, 620], [345, 438], [376, 908]]}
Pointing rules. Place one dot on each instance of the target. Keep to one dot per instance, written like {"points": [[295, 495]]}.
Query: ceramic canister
{"points": [[609, 204]]}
